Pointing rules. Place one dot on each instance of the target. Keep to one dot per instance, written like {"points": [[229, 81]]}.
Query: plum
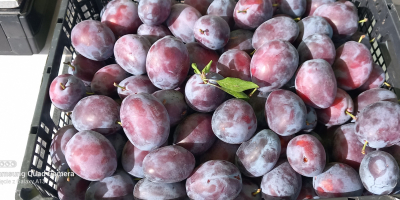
{"points": [[211, 32], [93, 40], [220, 151], [311, 119], [97, 113], [379, 124], [204, 97], [293, 8], [167, 63], [170, 164], [202, 56], [195, 133], [224, 9], [71, 187], [134, 85], [200, 5], [84, 68], [122, 17], [154, 12], [336, 114], [281, 183], [353, 65], [215, 179], [317, 46], [145, 189], [307, 191], [379, 172], [338, 180], [130, 53], [312, 5], [132, 160], [234, 121], [249, 190], [306, 155], [259, 155], [145, 121], [153, 33], [57, 146], [174, 102], [315, 83], [104, 79], [91, 155], [341, 17], [371, 96], [375, 79], [241, 40], [66, 91], [285, 112], [249, 14], [181, 21], [273, 65], [312, 25], [119, 186], [235, 63], [277, 28]]}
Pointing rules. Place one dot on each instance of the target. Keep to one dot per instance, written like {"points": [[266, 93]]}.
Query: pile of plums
{"points": [[146, 126]]}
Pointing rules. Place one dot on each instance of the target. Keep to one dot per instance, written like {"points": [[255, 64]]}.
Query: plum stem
{"points": [[364, 20], [243, 11], [256, 192], [164, 101], [351, 115], [62, 86], [68, 113], [297, 19], [361, 38], [89, 93], [201, 31], [387, 84], [275, 5], [252, 53], [371, 41], [68, 175], [307, 123], [252, 92], [183, 113], [363, 149], [70, 65], [122, 88], [118, 122]]}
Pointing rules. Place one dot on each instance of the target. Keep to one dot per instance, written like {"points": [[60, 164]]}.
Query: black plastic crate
{"points": [[383, 24]]}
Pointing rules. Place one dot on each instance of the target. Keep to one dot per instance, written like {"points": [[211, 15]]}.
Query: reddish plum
{"points": [[93, 40], [203, 97], [371, 96], [215, 179], [153, 33], [293, 8], [316, 83], [285, 112], [66, 91], [145, 121], [97, 113], [353, 65], [241, 40], [249, 14], [273, 64], [154, 12], [379, 124], [211, 32], [104, 79], [306, 155], [135, 85], [220, 151], [235, 63], [57, 146], [200, 5], [336, 113], [167, 63], [317, 46], [312, 25], [277, 28], [145, 189], [174, 102], [181, 21], [224, 9], [73, 187], [168, 164], [130, 53], [234, 121], [122, 17], [375, 79], [201, 56], [259, 155], [312, 5], [195, 133], [132, 160], [338, 180], [91, 156], [281, 183], [84, 68]]}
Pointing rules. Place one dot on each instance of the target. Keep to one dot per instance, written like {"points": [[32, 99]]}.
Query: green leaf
{"points": [[236, 84], [207, 68], [238, 95], [196, 70]]}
